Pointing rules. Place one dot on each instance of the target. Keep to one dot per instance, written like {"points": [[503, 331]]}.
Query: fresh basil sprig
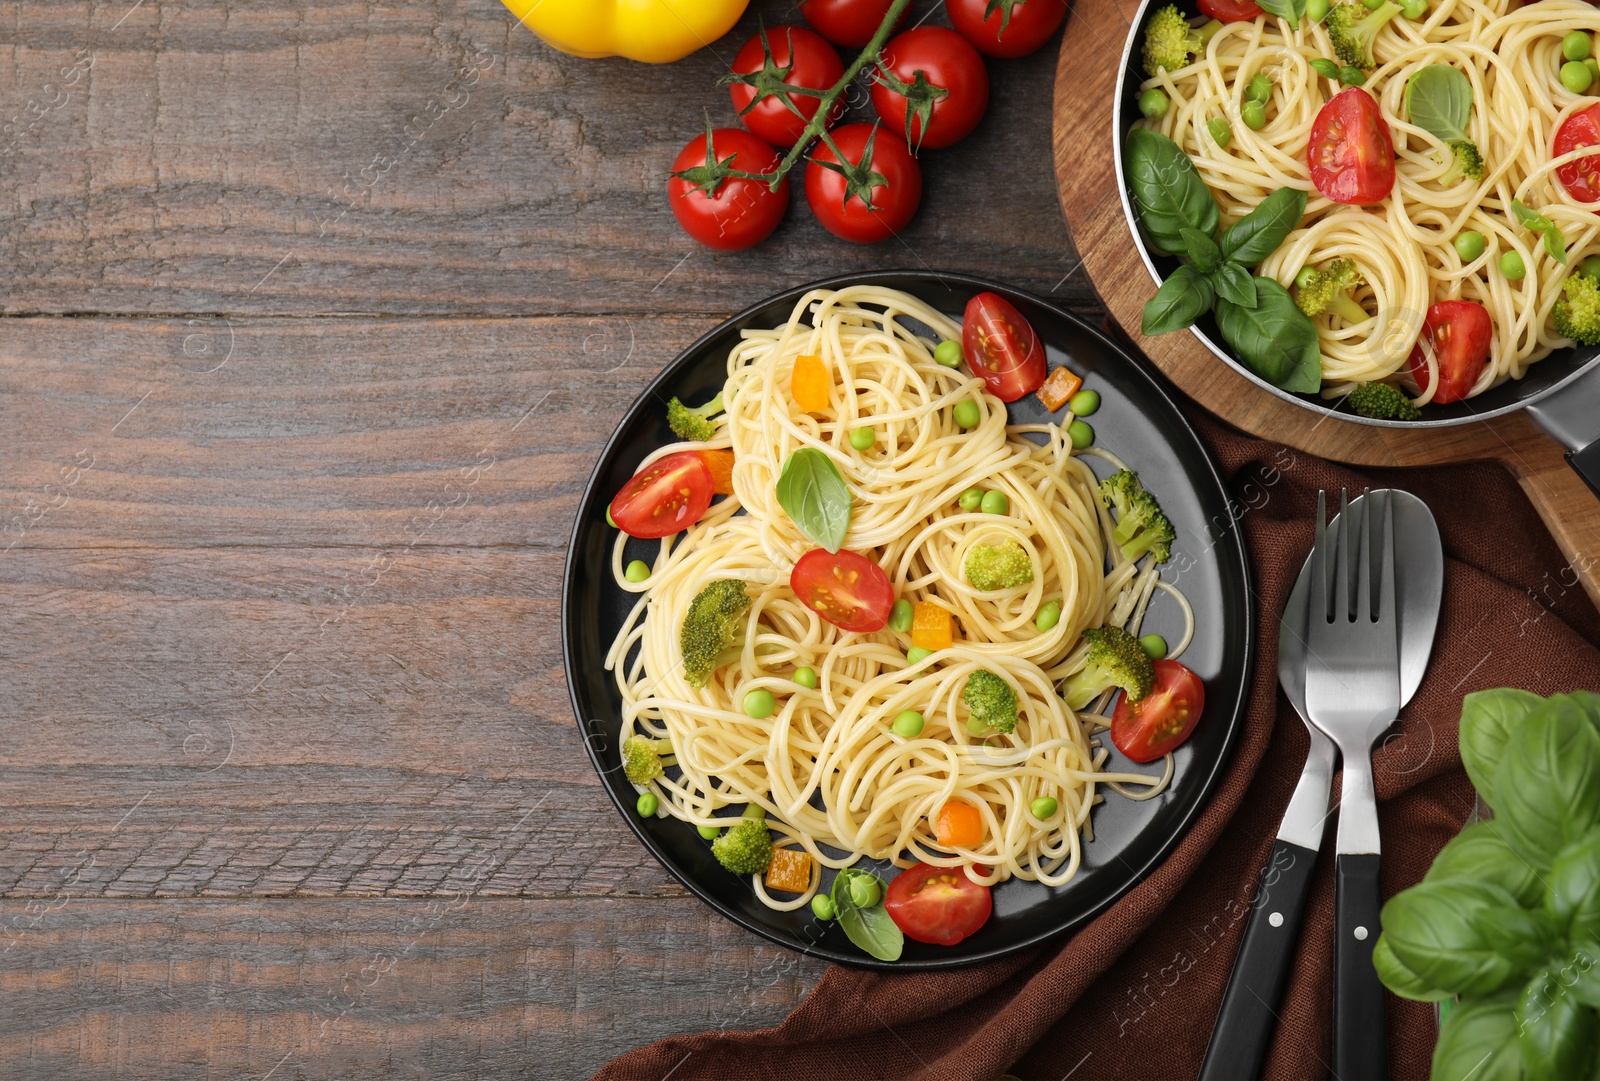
{"points": [[1534, 222], [816, 498], [1275, 339], [870, 928], [1169, 191]]}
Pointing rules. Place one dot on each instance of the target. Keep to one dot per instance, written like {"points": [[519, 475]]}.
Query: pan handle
{"points": [[1572, 416]]}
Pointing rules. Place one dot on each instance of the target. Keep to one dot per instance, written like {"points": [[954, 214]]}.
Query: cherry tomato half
{"points": [[1162, 719], [668, 495], [1459, 333], [849, 22], [1230, 11], [947, 62], [940, 905], [837, 200], [1351, 153], [848, 590], [1581, 178], [1002, 348], [736, 213], [1007, 28], [811, 62]]}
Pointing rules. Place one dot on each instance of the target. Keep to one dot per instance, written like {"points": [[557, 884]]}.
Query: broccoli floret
{"points": [[711, 627], [641, 758], [1169, 41], [992, 701], [1577, 311], [1380, 401], [998, 566], [745, 849], [1352, 28], [1465, 164], [1317, 291], [694, 425], [1141, 527], [1116, 659]]}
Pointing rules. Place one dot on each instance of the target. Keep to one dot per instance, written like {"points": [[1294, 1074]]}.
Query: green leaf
{"points": [[871, 929], [1480, 854], [1526, 938], [1548, 783], [1488, 719], [1582, 972], [1556, 1031], [1572, 891], [1274, 339], [1259, 233], [815, 496], [1167, 191], [1478, 1042], [1292, 11], [1182, 299], [1400, 979], [1434, 929], [1554, 242], [1201, 249], [1439, 101], [1234, 283]]}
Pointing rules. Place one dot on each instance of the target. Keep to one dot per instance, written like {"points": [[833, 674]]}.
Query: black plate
{"points": [[1137, 421], [1547, 376]]}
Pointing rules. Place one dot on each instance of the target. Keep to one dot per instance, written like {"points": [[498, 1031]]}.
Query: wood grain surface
{"points": [[1086, 80]]}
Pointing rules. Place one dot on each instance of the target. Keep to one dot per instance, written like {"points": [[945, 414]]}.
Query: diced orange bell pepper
{"points": [[959, 825], [931, 626], [1058, 389], [790, 870], [810, 384], [720, 462]]}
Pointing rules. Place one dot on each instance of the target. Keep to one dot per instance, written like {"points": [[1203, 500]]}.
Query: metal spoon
{"points": [[1245, 1022]]}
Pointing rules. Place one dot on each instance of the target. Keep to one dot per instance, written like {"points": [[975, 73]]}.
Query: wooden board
{"points": [[1086, 80]]}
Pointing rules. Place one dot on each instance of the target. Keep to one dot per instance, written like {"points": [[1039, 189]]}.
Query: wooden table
{"points": [[316, 317]]}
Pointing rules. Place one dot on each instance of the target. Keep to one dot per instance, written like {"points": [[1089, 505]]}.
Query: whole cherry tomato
{"points": [[1007, 28], [1458, 333], [873, 194], [798, 57], [1351, 153], [666, 496], [730, 213], [1581, 178], [1002, 347], [850, 22], [1162, 719], [931, 86]]}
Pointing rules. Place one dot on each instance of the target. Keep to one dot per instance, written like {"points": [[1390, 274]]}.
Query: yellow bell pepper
{"points": [[654, 31]]}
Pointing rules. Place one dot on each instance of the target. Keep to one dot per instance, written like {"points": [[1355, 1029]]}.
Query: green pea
{"points": [[900, 616], [1415, 10], [1325, 68], [908, 724], [637, 571], [1259, 88], [1048, 616], [806, 676], [1577, 46], [822, 907], [1154, 646], [863, 438], [967, 415], [1594, 68], [865, 891], [1350, 76], [949, 353], [1307, 275], [1220, 132], [1373, 5], [709, 833], [1470, 245], [1317, 10], [1043, 807], [1081, 434], [648, 804], [1590, 267], [610, 521], [1153, 103], [1575, 76], [971, 499], [916, 654], [1254, 115], [759, 704], [995, 502], [1085, 403], [1512, 268]]}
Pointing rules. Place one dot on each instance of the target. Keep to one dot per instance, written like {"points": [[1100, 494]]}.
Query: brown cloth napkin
{"points": [[1134, 994]]}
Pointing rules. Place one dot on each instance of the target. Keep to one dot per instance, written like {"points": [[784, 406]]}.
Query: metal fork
{"points": [[1353, 695]]}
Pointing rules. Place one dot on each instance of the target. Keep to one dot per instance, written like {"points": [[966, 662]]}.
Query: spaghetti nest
{"points": [[826, 766]]}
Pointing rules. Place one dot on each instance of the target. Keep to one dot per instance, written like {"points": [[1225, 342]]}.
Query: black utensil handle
{"points": [[1360, 1031], [1249, 1007], [1587, 463]]}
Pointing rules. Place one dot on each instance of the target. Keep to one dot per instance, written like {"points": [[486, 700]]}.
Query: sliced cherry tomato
{"points": [[666, 496], [1162, 719], [848, 590], [841, 202], [1458, 332], [952, 93], [1230, 11], [1351, 153], [734, 213], [1581, 178], [801, 58], [1007, 28], [849, 22], [940, 905], [1002, 348]]}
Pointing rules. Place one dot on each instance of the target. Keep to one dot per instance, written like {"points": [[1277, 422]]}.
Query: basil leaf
{"points": [[1434, 930], [1487, 721], [1556, 1031], [1479, 1041], [1526, 938], [1548, 782], [1480, 854], [1234, 282], [871, 929], [1583, 971], [1202, 250], [1274, 339], [1400, 979], [1439, 101], [1573, 889], [1182, 299], [1259, 233], [815, 496], [1554, 242], [1167, 191], [1291, 11]]}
